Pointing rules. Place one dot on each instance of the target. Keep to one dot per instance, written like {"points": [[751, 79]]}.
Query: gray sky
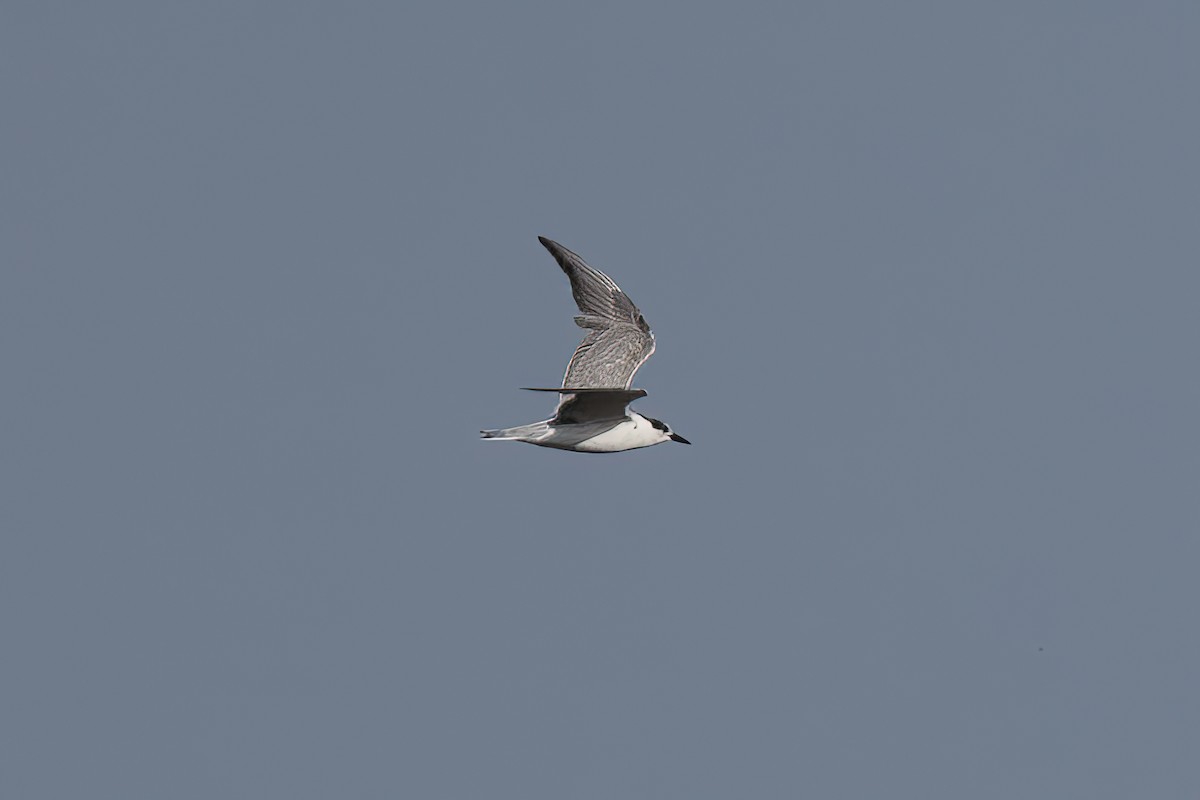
{"points": [[926, 290]]}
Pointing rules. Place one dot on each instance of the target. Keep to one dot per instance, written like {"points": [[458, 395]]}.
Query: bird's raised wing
{"points": [[618, 339]]}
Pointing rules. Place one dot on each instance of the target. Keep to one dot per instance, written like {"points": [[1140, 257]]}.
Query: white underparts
{"points": [[631, 434]]}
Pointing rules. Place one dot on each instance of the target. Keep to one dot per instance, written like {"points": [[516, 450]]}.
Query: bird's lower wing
{"points": [[583, 405]]}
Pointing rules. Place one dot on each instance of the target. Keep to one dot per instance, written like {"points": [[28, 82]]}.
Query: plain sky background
{"points": [[926, 286]]}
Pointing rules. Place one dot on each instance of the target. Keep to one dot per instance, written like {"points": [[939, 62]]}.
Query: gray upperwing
{"points": [[580, 405], [619, 339]]}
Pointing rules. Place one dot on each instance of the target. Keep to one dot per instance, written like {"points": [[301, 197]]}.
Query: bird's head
{"points": [[667, 433]]}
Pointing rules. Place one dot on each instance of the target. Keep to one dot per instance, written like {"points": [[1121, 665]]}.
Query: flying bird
{"points": [[592, 414]]}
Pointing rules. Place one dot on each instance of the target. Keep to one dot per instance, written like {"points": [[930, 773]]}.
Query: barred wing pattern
{"points": [[618, 339]]}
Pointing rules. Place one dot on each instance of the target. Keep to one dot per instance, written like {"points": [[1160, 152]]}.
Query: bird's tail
{"points": [[520, 432]]}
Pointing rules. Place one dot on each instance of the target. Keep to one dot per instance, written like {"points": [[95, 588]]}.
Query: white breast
{"points": [[629, 435]]}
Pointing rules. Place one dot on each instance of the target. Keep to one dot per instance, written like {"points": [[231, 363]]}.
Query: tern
{"points": [[592, 414]]}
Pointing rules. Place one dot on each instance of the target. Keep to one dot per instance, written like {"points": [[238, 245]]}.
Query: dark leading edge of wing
{"points": [[618, 341]]}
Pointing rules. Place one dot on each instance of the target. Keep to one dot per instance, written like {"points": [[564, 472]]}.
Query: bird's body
{"points": [[613, 436], [592, 414]]}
